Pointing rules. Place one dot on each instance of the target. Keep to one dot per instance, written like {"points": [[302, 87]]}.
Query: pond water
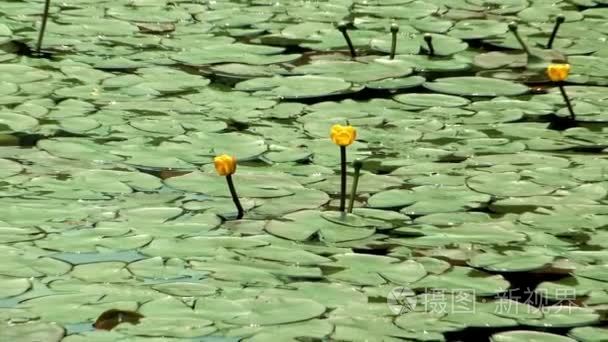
{"points": [[480, 213]]}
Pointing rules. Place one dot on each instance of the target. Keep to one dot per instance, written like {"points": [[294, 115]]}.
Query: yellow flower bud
{"points": [[558, 72], [225, 165], [343, 135]]}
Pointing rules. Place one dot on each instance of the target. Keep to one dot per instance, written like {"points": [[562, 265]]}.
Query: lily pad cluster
{"points": [[480, 207]]}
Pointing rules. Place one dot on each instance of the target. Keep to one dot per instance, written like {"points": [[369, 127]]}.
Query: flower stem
{"points": [[567, 100], [429, 43], [394, 30], [558, 21], [343, 28], [342, 178], [235, 197], [353, 192], [513, 28], [45, 16]]}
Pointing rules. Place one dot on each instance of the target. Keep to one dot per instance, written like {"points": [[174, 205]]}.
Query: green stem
{"points": [[558, 21], [429, 43], [235, 197], [513, 28], [45, 16], [394, 30], [342, 178], [567, 100], [343, 29], [353, 192]]}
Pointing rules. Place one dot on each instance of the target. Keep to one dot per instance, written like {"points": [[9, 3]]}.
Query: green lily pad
{"points": [[481, 320], [431, 100], [511, 261], [511, 309], [292, 331], [196, 245], [427, 64], [565, 315], [415, 9], [507, 184], [375, 270], [36, 331], [296, 87], [544, 13], [376, 328], [299, 226], [252, 185], [428, 199], [74, 308], [278, 206], [275, 311], [427, 321], [285, 255], [185, 289], [11, 287], [461, 279], [476, 86], [161, 327], [9, 168], [589, 334], [478, 233], [523, 335], [477, 29], [356, 72], [252, 272], [11, 122], [396, 83], [21, 263], [259, 311]]}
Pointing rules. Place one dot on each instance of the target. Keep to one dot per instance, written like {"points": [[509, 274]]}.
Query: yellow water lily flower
{"points": [[558, 72], [343, 135], [225, 165]]}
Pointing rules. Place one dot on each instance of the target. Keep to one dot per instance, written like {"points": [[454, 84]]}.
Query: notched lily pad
{"points": [[297, 87], [306, 224], [476, 86], [428, 199]]}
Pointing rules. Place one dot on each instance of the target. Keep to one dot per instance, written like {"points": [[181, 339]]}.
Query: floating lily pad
{"points": [[188, 247], [397, 83], [508, 184], [477, 29], [376, 328], [428, 199], [357, 72], [299, 227], [307, 329], [432, 100], [511, 261], [161, 327], [476, 86], [250, 185], [461, 279], [296, 87], [466, 233], [10, 287], [522, 335], [565, 315], [36, 331], [376, 270], [589, 334]]}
